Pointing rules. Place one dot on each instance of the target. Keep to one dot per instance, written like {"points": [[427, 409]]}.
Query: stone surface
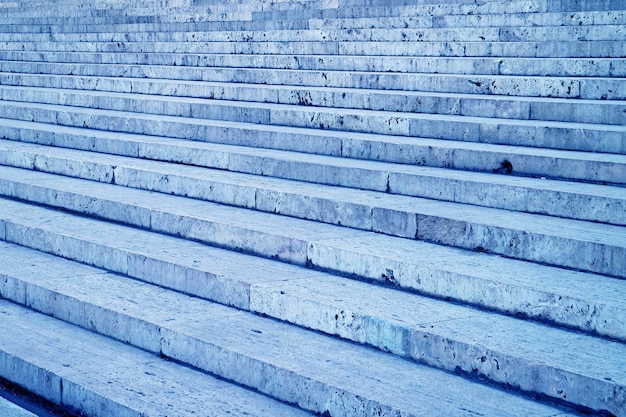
{"points": [[171, 314], [341, 207], [9, 409]]}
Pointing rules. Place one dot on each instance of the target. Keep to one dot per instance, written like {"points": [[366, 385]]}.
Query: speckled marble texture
{"points": [[299, 207]]}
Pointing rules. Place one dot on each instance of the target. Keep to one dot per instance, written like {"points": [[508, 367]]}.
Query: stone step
{"points": [[115, 299], [446, 8], [370, 73], [582, 245], [465, 34], [67, 107], [325, 10], [10, 409], [515, 283], [598, 203], [145, 24], [95, 373], [586, 302], [522, 108], [120, 10], [598, 18], [549, 5], [531, 49], [172, 5], [255, 142], [97, 376], [178, 20], [88, 10], [105, 19]]}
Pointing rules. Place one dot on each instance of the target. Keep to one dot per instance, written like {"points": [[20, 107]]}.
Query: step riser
{"points": [[413, 343], [592, 49], [194, 68], [435, 10], [598, 112], [191, 22], [266, 299], [435, 67], [100, 377], [498, 34], [494, 20], [143, 24], [425, 153], [426, 225], [343, 12], [605, 67], [89, 10], [248, 65], [520, 133], [422, 183], [419, 274], [549, 5], [297, 207], [423, 345], [39, 27]]}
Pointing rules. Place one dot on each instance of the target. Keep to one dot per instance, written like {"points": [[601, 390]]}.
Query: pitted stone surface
{"points": [[334, 206], [9, 409]]}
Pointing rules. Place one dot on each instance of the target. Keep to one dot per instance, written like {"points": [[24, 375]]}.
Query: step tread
{"points": [[568, 352], [191, 153], [459, 34], [197, 128], [409, 75], [539, 287], [602, 203], [448, 144], [286, 92], [94, 372], [468, 156], [51, 337], [112, 165], [155, 83], [278, 107], [472, 128]]}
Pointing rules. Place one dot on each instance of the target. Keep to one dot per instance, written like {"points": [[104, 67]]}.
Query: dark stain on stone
{"points": [[506, 167]]}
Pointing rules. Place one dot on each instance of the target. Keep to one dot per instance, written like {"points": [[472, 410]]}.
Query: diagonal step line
{"points": [[500, 80], [580, 110], [461, 225], [603, 203], [420, 152], [65, 356], [498, 359], [605, 138], [311, 246]]}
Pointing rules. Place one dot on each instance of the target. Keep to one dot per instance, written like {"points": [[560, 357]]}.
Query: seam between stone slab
{"points": [[194, 67], [293, 94], [380, 176], [323, 63], [346, 137], [601, 247], [315, 260], [122, 163], [490, 353], [464, 128], [145, 368]]}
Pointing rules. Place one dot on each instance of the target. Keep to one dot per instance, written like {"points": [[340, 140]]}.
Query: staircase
{"points": [[299, 207]]}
